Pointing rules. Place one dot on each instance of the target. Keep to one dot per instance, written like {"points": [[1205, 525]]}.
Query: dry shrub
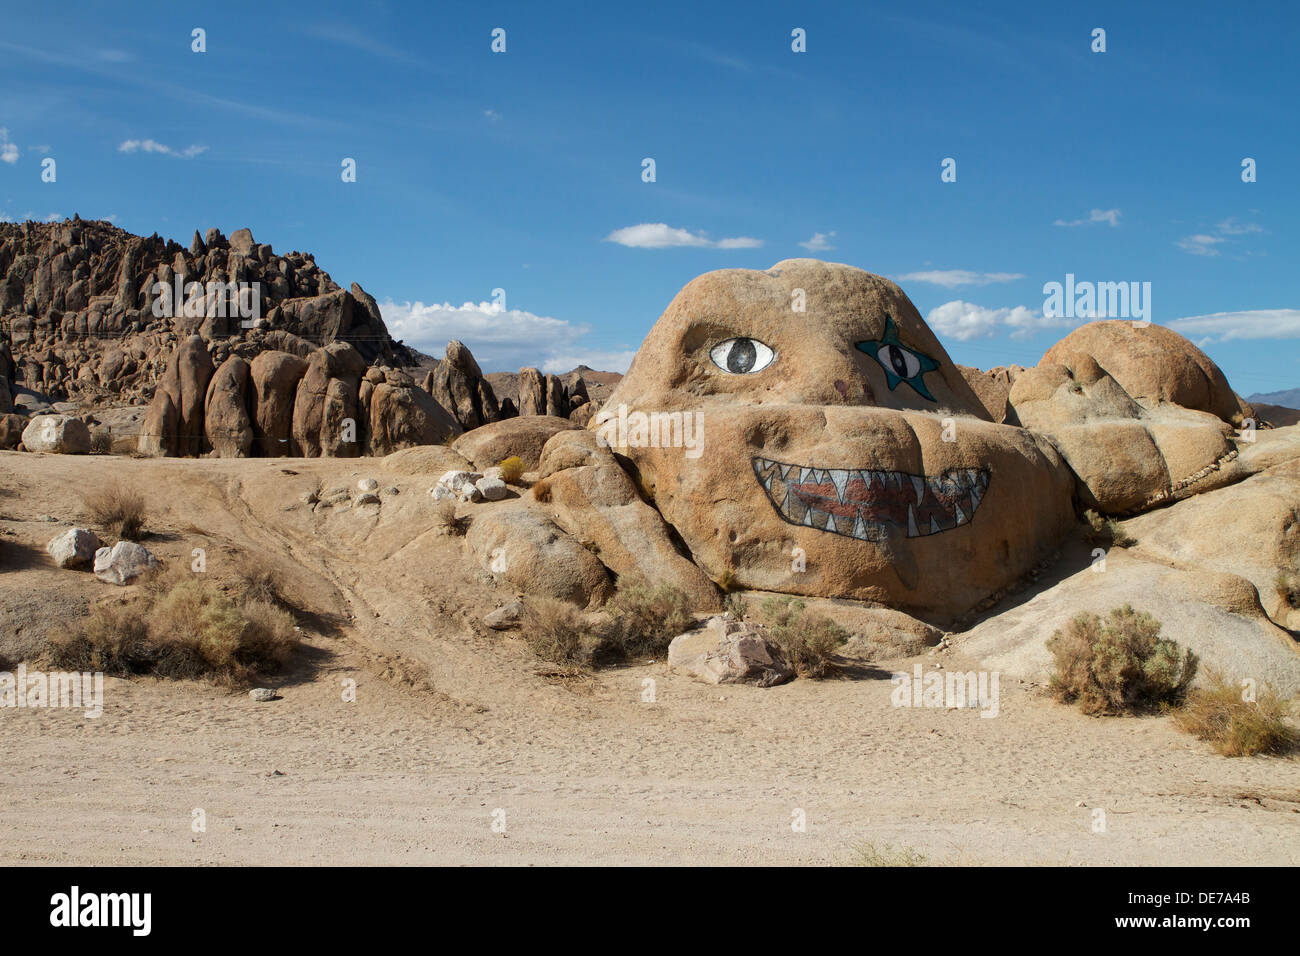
{"points": [[259, 580], [1287, 584], [809, 640], [557, 632], [117, 509], [1120, 665], [644, 618], [735, 605], [512, 469], [179, 627], [113, 638], [542, 491], [1107, 531], [444, 518], [101, 441], [1234, 727], [887, 855]]}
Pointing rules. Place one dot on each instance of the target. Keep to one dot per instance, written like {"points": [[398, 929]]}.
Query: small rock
{"points": [[730, 652], [123, 563], [458, 484], [260, 694], [492, 489], [74, 548], [504, 618], [367, 484], [366, 498], [392, 490]]}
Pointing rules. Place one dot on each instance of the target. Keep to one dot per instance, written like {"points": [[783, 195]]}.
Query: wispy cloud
{"points": [[659, 235], [819, 242], [347, 34], [492, 116], [1225, 326], [152, 146], [115, 56], [965, 320], [1200, 244], [951, 278], [1230, 227], [1109, 216], [8, 151]]}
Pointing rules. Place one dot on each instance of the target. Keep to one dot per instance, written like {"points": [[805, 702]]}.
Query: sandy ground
{"points": [[455, 727]]}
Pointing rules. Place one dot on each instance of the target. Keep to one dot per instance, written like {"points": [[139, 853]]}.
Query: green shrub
{"points": [[512, 469], [1118, 665], [643, 619], [1107, 531], [117, 509]]}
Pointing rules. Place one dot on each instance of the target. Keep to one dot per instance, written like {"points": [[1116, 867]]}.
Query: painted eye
{"points": [[741, 356], [903, 361]]}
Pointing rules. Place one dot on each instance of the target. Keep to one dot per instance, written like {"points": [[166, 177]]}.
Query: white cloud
{"points": [[1257, 324], [1108, 216], [115, 56], [1200, 245], [951, 278], [818, 242], [153, 146], [501, 340], [8, 151], [965, 320], [1230, 227], [492, 116], [659, 235]]}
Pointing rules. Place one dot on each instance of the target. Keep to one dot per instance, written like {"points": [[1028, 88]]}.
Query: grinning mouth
{"points": [[868, 504]]}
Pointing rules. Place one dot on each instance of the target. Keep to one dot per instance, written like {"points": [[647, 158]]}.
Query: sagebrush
{"points": [[117, 509], [1120, 664], [810, 641], [1220, 714]]}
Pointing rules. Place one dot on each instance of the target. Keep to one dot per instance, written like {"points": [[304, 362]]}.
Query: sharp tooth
{"points": [[805, 475], [972, 476], [918, 484], [961, 515], [934, 526], [859, 529], [912, 531], [807, 517], [785, 471], [768, 483], [975, 495], [841, 478]]}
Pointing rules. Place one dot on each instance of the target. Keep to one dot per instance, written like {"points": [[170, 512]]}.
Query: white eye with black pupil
{"points": [[741, 356], [903, 362]]}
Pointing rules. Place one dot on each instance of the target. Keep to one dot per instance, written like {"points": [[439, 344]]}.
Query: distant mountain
{"points": [[1287, 399]]}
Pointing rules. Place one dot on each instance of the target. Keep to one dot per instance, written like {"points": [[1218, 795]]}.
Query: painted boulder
{"points": [[803, 430]]}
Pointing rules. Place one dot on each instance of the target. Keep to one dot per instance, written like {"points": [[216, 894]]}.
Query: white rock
{"points": [[260, 694], [367, 484], [504, 618], [74, 548], [123, 562], [460, 484], [493, 489], [57, 434], [730, 652]]}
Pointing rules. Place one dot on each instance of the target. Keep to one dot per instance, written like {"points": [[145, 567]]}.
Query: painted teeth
{"points": [[935, 503]]}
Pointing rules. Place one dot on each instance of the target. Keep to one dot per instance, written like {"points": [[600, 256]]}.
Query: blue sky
{"points": [[522, 171]]}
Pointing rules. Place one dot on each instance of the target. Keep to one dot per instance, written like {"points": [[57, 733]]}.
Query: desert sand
{"points": [[452, 722]]}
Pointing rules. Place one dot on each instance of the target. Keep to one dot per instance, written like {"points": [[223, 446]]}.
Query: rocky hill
{"points": [[89, 310]]}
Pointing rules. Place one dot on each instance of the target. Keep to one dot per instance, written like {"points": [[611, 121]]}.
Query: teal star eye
{"points": [[901, 364]]}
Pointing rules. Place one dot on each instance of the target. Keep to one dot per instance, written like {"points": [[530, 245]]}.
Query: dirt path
{"points": [[584, 772]]}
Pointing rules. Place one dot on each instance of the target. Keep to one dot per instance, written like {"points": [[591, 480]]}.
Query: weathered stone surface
{"points": [[461, 485], [459, 387], [518, 543], [505, 618], [175, 422], [227, 425], [730, 652], [492, 488], [274, 377], [404, 415], [11, 431], [521, 437], [532, 392]]}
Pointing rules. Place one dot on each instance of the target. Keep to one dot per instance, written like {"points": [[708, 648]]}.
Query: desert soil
{"points": [[453, 722]]}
